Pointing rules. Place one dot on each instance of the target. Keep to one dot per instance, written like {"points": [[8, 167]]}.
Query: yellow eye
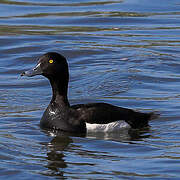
{"points": [[51, 61]]}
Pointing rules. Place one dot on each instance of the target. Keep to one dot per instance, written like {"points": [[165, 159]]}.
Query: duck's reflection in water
{"points": [[63, 142], [60, 143]]}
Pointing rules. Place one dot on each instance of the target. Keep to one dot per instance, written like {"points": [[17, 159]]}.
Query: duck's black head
{"points": [[55, 67], [51, 65]]}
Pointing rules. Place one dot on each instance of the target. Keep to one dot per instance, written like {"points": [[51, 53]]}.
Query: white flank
{"points": [[110, 127]]}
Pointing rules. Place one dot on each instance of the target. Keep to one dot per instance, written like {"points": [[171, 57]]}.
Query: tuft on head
{"points": [[153, 115]]}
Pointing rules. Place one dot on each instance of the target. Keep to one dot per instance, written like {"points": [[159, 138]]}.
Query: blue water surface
{"points": [[123, 52]]}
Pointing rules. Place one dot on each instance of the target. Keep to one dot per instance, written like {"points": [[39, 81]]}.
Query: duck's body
{"points": [[60, 115], [74, 118]]}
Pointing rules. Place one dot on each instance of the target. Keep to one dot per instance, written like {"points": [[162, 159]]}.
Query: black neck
{"points": [[59, 90]]}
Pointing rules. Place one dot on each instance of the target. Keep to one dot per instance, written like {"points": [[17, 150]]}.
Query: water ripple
{"points": [[122, 52]]}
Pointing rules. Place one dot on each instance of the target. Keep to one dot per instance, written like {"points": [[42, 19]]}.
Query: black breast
{"points": [[62, 118]]}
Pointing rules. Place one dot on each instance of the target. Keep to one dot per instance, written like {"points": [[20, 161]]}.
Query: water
{"points": [[120, 52]]}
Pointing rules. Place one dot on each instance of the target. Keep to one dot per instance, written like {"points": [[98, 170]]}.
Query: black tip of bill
{"points": [[22, 74]]}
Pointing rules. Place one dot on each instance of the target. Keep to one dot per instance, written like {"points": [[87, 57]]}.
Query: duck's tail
{"points": [[140, 120]]}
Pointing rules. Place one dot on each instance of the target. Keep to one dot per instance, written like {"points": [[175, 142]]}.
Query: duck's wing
{"points": [[103, 113]]}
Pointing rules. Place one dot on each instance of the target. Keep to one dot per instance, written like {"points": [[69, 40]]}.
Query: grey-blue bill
{"points": [[33, 72]]}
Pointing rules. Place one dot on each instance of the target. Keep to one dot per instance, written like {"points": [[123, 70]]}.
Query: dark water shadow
{"points": [[55, 156], [63, 142], [60, 143]]}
